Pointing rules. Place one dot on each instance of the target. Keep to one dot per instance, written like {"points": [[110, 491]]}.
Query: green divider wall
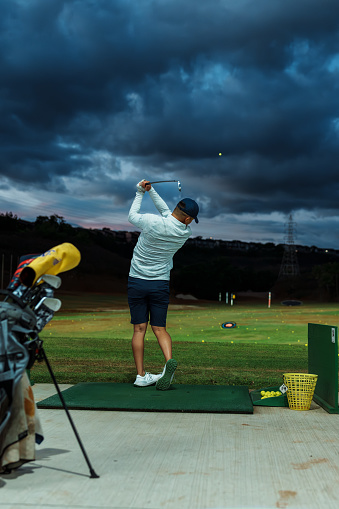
{"points": [[323, 361]]}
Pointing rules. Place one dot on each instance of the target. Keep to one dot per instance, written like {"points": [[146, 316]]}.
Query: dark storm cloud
{"points": [[95, 94]]}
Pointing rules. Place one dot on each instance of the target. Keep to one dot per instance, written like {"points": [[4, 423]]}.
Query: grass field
{"points": [[89, 340]]}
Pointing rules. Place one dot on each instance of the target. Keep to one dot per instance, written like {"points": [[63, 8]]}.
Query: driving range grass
{"points": [[89, 340]]}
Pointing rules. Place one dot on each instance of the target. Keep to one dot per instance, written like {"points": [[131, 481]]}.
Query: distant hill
{"points": [[203, 267]]}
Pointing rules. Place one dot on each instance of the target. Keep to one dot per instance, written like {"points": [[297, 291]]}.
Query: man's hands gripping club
{"points": [[144, 185]]}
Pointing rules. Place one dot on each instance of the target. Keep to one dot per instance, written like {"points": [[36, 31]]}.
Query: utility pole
{"points": [[289, 265]]}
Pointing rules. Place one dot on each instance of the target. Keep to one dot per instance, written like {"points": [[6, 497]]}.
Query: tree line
{"points": [[198, 270]]}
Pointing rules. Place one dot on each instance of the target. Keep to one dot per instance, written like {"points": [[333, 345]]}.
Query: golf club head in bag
{"points": [[45, 310]]}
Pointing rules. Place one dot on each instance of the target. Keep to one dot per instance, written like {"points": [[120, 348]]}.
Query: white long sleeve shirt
{"points": [[161, 237]]}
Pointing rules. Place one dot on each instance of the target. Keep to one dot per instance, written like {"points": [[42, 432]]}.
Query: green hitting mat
{"points": [[179, 398]]}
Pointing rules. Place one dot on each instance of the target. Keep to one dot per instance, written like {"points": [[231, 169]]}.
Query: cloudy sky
{"points": [[97, 94]]}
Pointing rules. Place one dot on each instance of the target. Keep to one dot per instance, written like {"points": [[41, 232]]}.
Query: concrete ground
{"points": [[276, 457]]}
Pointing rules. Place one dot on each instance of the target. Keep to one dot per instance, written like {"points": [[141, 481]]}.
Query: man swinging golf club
{"points": [[148, 282]]}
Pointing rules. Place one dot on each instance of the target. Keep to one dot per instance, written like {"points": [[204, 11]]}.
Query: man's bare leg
{"points": [[138, 347], [164, 340]]}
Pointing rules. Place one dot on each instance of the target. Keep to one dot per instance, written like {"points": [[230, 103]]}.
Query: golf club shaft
{"points": [[161, 181]]}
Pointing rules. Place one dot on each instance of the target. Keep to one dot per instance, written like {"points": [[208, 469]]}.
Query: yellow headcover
{"points": [[58, 259]]}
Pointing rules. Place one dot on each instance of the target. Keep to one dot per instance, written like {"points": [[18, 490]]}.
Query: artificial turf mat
{"points": [[179, 398]]}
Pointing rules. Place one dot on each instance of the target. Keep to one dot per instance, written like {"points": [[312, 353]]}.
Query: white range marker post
{"points": [[231, 299], [226, 297]]}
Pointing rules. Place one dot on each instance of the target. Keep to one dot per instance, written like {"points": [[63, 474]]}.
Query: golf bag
{"points": [[27, 305]]}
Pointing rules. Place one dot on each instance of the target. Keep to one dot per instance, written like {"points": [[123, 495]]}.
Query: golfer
{"points": [[148, 282]]}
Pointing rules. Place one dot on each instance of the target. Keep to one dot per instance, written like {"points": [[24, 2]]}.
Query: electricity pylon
{"points": [[289, 265]]}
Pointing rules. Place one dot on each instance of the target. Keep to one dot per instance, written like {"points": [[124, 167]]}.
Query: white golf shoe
{"points": [[148, 379]]}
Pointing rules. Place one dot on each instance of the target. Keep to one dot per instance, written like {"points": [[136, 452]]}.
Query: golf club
{"points": [[161, 181]]}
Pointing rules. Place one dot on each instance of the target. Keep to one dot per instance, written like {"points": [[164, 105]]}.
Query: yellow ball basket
{"points": [[300, 389]]}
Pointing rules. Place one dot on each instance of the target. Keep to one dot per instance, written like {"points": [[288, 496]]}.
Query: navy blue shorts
{"points": [[148, 300]]}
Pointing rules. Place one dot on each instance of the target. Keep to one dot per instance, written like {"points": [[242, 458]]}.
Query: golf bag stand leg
{"points": [[92, 472]]}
